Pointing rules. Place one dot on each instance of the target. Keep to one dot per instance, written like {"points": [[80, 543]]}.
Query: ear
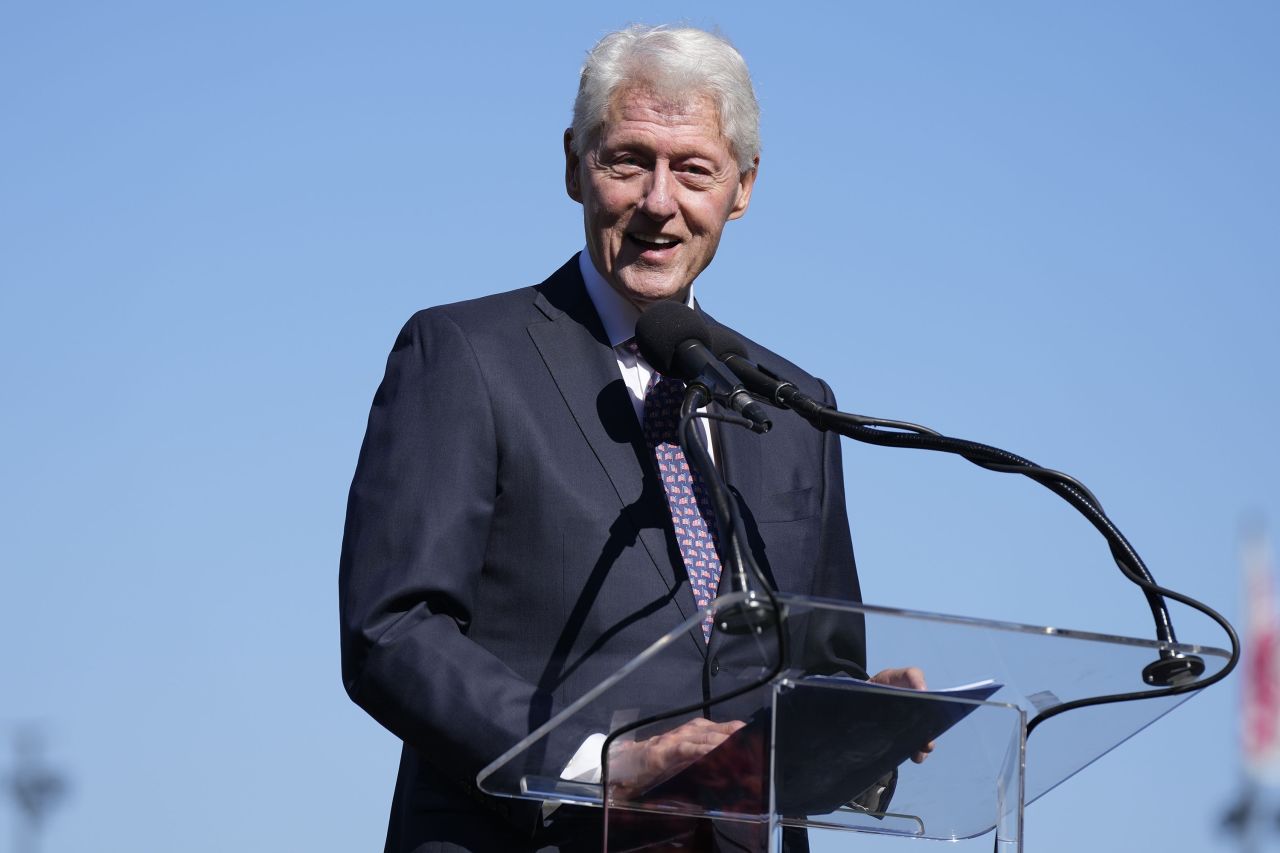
{"points": [[746, 182], [571, 160]]}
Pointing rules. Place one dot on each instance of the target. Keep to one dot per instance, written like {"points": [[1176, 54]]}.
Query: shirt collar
{"points": [[617, 314]]}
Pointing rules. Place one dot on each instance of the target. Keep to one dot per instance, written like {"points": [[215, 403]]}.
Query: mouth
{"points": [[654, 244]]}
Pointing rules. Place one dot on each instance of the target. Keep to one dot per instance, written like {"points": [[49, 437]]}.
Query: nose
{"points": [[659, 201]]}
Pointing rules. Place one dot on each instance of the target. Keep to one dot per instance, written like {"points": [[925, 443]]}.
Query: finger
{"points": [[920, 756], [908, 676], [703, 724], [914, 678], [695, 724], [680, 750]]}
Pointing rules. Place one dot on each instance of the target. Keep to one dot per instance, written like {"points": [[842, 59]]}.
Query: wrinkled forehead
{"points": [[669, 103]]}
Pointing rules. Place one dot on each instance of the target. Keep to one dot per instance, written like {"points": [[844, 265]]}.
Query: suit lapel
{"points": [[576, 352]]}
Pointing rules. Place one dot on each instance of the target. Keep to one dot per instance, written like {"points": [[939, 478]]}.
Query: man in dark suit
{"points": [[509, 543]]}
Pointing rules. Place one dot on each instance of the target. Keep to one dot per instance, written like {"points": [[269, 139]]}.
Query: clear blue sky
{"points": [[1053, 227]]}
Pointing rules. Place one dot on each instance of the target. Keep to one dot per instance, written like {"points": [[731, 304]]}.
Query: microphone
{"points": [[676, 341], [726, 344]]}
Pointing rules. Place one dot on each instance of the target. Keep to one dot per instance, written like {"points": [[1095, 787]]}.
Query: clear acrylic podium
{"points": [[821, 748]]}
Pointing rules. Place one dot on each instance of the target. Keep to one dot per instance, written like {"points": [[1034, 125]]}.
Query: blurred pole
{"points": [[34, 787], [1241, 820]]}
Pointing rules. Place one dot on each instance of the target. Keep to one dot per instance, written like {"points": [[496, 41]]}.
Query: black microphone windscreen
{"points": [[725, 342], [663, 327]]}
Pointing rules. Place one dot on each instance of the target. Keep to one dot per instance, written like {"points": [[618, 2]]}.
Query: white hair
{"points": [[681, 62]]}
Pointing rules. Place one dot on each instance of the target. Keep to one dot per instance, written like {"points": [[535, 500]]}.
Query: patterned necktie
{"points": [[687, 496]]}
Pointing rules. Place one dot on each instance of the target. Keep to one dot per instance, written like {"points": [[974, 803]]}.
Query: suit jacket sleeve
{"points": [[413, 550]]}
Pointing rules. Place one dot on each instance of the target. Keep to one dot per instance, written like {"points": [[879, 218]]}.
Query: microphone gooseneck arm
{"points": [[751, 615], [1172, 672], [735, 550], [993, 458], [886, 433]]}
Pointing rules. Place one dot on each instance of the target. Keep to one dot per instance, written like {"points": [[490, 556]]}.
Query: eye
{"points": [[697, 170]]}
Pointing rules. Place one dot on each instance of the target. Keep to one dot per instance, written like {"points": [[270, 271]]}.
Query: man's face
{"points": [[656, 191]]}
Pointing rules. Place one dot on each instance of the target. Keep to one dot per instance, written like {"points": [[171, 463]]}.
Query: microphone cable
{"points": [[1173, 673]]}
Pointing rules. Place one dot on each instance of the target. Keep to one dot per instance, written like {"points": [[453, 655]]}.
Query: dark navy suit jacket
{"points": [[508, 546]]}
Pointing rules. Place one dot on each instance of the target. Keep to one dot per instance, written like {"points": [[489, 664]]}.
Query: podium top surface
{"points": [[801, 686]]}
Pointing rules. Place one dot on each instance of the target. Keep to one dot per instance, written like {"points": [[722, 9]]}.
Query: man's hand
{"points": [[907, 676], [637, 765]]}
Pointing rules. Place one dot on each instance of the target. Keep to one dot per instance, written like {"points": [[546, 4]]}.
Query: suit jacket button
{"points": [[715, 666]]}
